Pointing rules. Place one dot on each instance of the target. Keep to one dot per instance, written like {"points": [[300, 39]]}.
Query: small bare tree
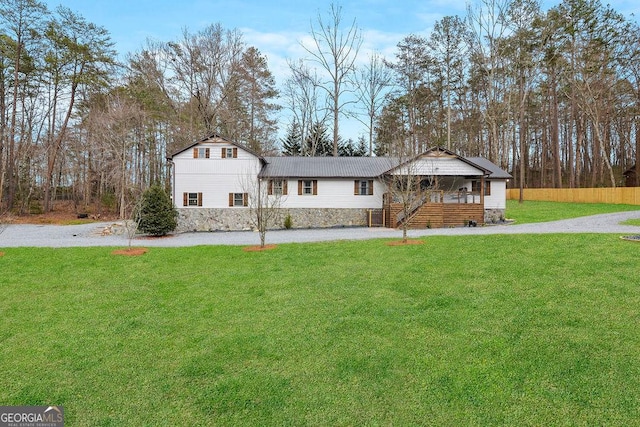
{"points": [[131, 220], [404, 183], [264, 197], [404, 186]]}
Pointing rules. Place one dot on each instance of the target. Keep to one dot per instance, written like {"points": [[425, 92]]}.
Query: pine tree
{"points": [[345, 148], [157, 215], [361, 149], [318, 143], [292, 143]]}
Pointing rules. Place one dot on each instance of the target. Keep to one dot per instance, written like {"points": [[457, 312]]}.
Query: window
{"points": [[191, 199], [277, 187], [238, 199], [475, 187], [363, 187], [307, 187], [230, 153], [201, 153]]}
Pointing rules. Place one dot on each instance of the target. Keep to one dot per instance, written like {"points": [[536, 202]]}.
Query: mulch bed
{"points": [[258, 248], [150, 237], [1, 253], [408, 242], [130, 251]]}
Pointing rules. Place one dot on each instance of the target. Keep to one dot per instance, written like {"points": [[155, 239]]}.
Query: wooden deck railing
{"points": [[436, 210]]}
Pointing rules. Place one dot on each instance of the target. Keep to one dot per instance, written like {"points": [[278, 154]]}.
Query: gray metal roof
{"points": [[496, 172], [214, 138], [349, 167], [326, 167]]}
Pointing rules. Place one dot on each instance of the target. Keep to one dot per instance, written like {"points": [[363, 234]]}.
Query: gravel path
{"points": [[91, 234]]}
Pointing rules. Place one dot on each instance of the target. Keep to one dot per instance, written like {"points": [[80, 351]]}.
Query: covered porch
{"points": [[446, 202]]}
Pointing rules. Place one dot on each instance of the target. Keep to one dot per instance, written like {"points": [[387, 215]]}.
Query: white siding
{"points": [[215, 152], [442, 166], [214, 177], [333, 193], [498, 197]]}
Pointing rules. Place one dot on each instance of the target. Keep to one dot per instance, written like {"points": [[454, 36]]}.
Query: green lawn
{"points": [[535, 211], [483, 330], [635, 221]]}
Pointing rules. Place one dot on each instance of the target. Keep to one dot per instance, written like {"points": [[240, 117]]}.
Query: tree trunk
{"points": [[555, 135]]}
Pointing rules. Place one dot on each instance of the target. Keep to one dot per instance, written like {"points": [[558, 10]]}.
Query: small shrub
{"points": [[108, 200], [156, 216], [288, 222], [35, 208]]}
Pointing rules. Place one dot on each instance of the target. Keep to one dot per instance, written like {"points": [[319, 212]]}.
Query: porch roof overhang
{"points": [[439, 162]]}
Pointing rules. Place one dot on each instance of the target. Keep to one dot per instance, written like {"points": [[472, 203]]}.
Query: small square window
{"points": [[307, 187], [238, 199], [229, 153], [277, 187], [364, 188], [192, 199], [475, 187]]}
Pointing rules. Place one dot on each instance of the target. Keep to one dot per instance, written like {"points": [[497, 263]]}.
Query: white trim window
{"points": [[229, 153], [238, 199], [277, 187], [307, 187], [363, 187], [191, 199], [201, 153]]}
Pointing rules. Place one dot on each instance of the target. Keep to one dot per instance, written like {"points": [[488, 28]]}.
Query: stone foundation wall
{"points": [[204, 219], [494, 216], [323, 218], [235, 219]]}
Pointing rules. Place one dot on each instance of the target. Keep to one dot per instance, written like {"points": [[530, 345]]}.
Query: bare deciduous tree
{"points": [[335, 50], [371, 85], [131, 219], [113, 129], [79, 57], [403, 182], [449, 44], [264, 202], [304, 102]]}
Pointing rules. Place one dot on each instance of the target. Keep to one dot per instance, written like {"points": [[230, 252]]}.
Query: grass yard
{"points": [[484, 330], [537, 211], [635, 221]]}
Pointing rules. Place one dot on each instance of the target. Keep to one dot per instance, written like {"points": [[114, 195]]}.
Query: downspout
{"points": [[172, 182]]}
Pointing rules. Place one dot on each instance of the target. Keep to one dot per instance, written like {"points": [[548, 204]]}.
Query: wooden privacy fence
{"points": [[619, 195]]}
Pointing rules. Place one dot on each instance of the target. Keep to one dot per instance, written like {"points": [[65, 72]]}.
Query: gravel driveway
{"points": [[92, 234]]}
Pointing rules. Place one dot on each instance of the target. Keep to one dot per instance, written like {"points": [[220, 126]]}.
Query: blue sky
{"points": [[274, 27]]}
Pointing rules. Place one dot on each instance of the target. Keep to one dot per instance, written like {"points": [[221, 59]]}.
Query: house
{"points": [[212, 182]]}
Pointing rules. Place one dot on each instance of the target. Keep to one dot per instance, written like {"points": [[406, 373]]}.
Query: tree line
{"points": [[552, 96]]}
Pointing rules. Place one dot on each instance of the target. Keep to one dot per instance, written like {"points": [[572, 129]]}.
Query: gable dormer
{"points": [[215, 147]]}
